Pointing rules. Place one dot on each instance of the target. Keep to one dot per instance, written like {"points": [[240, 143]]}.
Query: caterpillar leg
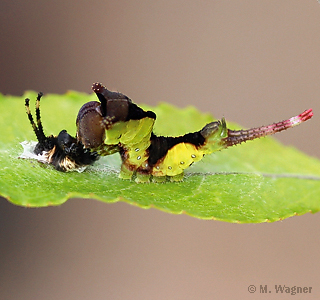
{"points": [[125, 173], [177, 178], [145, 178], [159, 179], [142, 178]]}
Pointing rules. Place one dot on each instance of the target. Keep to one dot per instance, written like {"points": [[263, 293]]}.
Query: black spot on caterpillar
{"points": [[116, 124]]}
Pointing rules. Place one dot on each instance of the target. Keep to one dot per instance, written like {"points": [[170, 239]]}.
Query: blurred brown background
{"points": [[253, 62]]}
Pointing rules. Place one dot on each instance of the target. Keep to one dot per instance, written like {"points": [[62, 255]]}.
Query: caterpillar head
{"points": [[94, 118]]}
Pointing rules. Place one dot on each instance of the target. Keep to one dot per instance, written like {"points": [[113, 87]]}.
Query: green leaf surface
{"points": [[255, 182]]}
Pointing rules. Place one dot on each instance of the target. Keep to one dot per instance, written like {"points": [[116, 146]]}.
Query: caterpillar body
{"points": [[116, 124]]}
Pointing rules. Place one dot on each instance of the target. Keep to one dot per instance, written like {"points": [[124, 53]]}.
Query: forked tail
{"points": [[238, 136], [37, 128]]}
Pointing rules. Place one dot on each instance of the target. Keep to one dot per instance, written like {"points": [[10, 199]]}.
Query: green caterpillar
{"points": [[116, 124]]}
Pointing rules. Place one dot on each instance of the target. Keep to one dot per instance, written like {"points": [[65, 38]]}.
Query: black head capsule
{"points": [[64, 152]]}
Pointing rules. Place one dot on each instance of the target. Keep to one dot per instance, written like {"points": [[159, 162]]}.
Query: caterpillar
{"points": [[116, 124]]}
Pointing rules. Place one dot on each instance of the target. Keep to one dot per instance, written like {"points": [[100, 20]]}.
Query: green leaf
{"points": [[255, 182]]}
